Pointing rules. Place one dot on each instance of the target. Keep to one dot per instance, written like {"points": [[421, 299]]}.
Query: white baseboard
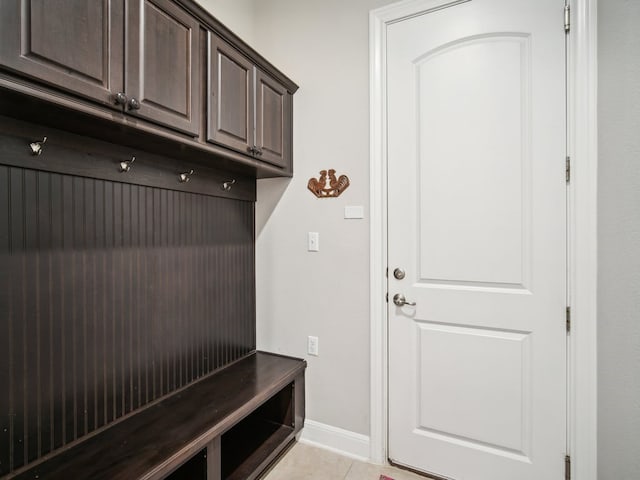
{"points": [[344, 442]]}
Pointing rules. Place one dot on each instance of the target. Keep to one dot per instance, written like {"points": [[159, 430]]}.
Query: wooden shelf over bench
{"points": [[244, 415]]}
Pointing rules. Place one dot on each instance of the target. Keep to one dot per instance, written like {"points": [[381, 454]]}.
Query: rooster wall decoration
{"points": [[328, 185]]}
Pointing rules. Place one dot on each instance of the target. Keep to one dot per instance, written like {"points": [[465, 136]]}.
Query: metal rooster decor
{"points": [[327, 185]]}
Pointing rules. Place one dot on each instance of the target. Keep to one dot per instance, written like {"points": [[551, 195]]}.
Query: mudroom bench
{"points": [[229, 425]]}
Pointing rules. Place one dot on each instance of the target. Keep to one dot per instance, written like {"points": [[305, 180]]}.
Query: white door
{"points": [[477, 221]]}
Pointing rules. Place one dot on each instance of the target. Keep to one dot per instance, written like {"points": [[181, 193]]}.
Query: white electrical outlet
{"points": [[312, 345], [313, 242]]}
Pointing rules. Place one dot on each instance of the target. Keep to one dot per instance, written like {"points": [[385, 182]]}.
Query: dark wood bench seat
{"points": [[232, 424]]}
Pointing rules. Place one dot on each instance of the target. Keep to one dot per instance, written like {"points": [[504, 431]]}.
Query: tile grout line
{"points": [[346, 475]]}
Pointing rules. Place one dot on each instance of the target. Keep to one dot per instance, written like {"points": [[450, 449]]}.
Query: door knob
{"points": [[399, 273], [400, 301]]}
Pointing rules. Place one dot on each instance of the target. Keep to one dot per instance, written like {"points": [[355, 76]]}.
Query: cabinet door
{"points": [[163, 67], [230, 95], [273, 120], [71, 44]]}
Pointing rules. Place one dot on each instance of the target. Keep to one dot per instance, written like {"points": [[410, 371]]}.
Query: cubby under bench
{"points": [[229, 425]]}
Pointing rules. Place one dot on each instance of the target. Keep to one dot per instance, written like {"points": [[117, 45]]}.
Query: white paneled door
{"points": [[477, 224]]}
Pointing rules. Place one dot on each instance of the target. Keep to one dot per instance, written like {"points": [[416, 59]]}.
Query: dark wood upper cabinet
{"points": [[75, 45], [273, 120], [249, 110], [230, 95], [151, 69], [81, 47], [162, 71]]}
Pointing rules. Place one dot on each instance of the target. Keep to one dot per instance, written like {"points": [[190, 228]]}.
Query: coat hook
{"points": [[126, 165], [185, 177], [36, 147], [226, 186]]}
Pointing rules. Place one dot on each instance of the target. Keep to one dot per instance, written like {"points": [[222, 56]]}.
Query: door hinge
{"points": [[387, 297], [567, 18], [567, 169], [567, 467], [568, 319]]}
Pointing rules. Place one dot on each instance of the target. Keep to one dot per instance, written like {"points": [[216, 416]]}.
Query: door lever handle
{"points": [[401, 301]]}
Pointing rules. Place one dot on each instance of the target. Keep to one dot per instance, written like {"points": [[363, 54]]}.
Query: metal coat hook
{"points": [[36, 147], [185, 177], [126, 165], [226, 186]]}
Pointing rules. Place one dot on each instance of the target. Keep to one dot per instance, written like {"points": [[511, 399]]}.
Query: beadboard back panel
{"points": [[112, 295]]}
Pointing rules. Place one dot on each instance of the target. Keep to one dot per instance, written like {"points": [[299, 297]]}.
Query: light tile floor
{"points": [[306, 462]]}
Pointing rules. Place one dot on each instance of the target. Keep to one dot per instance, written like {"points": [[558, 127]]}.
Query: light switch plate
{"points": [[313, 241], [312, 345], [354, 211]]}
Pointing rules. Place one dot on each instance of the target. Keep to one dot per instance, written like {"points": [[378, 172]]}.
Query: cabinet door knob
{"points": [[134, 104], [254, 150], [120, 98]]}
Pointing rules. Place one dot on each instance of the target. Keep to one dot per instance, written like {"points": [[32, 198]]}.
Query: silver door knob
{"points": [[400, 301], [399, 273]]}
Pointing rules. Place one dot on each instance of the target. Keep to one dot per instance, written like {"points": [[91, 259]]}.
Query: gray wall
{"points": [[324, 46], [619, 240], [237, 15]]}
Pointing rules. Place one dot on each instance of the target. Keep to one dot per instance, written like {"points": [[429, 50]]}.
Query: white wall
{"points": [[619, 240], [322, 46], [237, 15]]}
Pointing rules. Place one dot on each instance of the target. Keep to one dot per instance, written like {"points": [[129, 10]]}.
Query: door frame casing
{"points": [[581, 228]]}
